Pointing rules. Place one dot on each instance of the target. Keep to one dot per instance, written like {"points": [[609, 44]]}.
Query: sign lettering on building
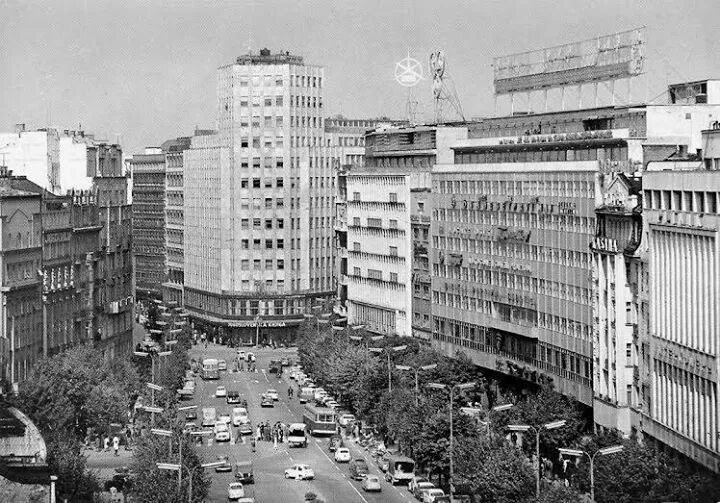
{"points": [[548, 138], [253, 324], [603, 244]]}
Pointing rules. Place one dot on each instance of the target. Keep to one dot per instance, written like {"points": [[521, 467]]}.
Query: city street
{"points": [[332, 482]]}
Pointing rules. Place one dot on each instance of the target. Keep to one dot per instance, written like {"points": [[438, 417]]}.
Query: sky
{"points": [[144, 71]]}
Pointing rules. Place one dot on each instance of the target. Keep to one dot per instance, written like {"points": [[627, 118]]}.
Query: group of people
{"points": [[104, 442], [275, 433]]}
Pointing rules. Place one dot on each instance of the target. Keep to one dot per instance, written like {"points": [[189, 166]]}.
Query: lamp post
{"points": [[497, 408], [153, 354], [603, 452], [525, 428], [451, 389], [388, 351], [417, 371], [179, 467], [365, 341]]}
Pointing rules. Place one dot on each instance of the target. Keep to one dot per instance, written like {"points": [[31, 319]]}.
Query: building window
{"points": [[245, 223], [257, 264], [393, 224], [280, 264], [280, 244], [356, 271], [256, 183], [268, 244], [356, 196], [279, 182], [393, 197], [280, 223], [393, 277], [257, 223], [375, 274], [256, 244], [393, 251], [245, 265], [268, 223], [374, 222], [244, 183], [245, 244], [356, 221], [356, 246]]}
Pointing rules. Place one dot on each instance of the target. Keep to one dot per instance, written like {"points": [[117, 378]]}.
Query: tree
{"points": [[494, 471], [66, 460]]}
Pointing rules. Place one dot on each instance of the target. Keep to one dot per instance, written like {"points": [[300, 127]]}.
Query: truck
{"points": [[209, 415]]}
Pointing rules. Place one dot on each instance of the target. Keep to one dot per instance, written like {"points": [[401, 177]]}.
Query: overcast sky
{"points": [[145, 70]]}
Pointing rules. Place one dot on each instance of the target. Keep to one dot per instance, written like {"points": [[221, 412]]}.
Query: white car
{"points": [[240, 416], [272, 393], [222, 432], [235, 491], [220, 391], [432, 495], [342, 455], [225, 417], [299, 472], [332, 404], [346, 419]]}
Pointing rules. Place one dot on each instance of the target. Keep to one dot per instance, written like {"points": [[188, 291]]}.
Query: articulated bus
{"points": [[320, 420], [210, 369]]}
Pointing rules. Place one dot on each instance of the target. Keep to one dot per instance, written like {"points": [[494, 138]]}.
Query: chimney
{"points": [[20, 127]]}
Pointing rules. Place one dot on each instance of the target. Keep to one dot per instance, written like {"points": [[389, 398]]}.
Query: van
{"points": [[244, 472], [400, 469], [296, 435]]}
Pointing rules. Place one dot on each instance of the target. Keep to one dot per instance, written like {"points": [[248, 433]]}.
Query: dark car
{"points": [[233, 396], [191, 415], [267, 402], [359, 469], [275, 367], [285, 362], [225, 467], [335, 442], [121, 480], [245, 429]]}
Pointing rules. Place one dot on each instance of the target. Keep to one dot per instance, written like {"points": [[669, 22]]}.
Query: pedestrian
{"points": [[252, 443], [258, 434], [106, 443], [290, 393], [128, 438], [116, 444], [275, 439], [261, 430]]}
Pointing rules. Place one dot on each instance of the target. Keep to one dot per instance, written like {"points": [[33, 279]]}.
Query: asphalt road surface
{"points": [[332, 481]]}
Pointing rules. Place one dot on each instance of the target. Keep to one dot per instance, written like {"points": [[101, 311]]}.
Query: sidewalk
{"points": [[105, 462]]}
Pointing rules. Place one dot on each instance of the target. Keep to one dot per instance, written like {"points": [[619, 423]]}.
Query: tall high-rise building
{"points": [[259, 200]]}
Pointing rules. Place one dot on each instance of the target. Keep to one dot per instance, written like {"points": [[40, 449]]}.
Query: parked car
{"points": [[190, 427], [191, 415], [222, 365], [346, 419], [244, 472], [432, 495], [415, 481], [225, 416], [342, 455], [359, 469], [371, 483], [299, 472], [420, 489], [235, 491], [220, 392], [272, 393]]}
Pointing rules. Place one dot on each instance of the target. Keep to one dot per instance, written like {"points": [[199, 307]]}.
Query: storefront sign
{"points": [[604, 244], [550, 138], [510, 205], [253, 324]]}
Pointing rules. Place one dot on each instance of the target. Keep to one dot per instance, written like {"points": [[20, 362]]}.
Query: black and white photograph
{"points": [[359, 251]]}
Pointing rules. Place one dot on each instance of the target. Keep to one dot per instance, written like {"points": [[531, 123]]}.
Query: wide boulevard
{"points": [[332, 482]]}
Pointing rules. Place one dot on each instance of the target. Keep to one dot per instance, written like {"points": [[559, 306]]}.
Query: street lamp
{"points": [[451, 389], [388, 351], [152, 353], [613, 449], [497, 408], [179, 467], [525, 428], [170, 434], [417, 371]]}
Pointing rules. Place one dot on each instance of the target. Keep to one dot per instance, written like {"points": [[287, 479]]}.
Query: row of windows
{"points": [[268, 80], [519, 251], [270, 264], [257, 223], [392, 250], [376, 274], [616, 153], [539, 221], [681, 200], [257, 244], [375, 222], [524, 187]]}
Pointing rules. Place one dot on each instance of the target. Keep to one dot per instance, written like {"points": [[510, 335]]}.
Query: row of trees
{"points": [[486, 463]]}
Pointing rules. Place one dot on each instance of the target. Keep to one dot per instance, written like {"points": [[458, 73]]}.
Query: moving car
{"points": [[240, 416], [299, 472], [342, 455], [346, 419], [191, 415], [233, 396], [245, 429], [296, 435], [266, 401], [336, 441], [222, 432], [359, 469], [222, 365], [272, 393], [420, 489], [220, 391], [371, 483], [225, 467], [235, 491], [244, 472], [432, 495]]}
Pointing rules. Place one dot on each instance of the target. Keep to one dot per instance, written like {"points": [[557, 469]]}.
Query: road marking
{"points": [[344, 475]]}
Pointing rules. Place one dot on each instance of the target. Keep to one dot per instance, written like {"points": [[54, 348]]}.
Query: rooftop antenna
{"points": [[443, 87], [409, 73]]}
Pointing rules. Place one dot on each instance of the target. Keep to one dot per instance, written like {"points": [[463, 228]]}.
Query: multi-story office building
{"points": [[148, 200], [258, 200], [680, 350], [21, 344], [172, 287], [513, 274], [385, 212]]}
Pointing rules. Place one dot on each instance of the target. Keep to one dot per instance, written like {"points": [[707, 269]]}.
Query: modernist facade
{"points": [[259, 199], [148, 199], [681, 351]]}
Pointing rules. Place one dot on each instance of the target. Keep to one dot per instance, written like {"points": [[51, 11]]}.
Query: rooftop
{"points": [[266, 58]]}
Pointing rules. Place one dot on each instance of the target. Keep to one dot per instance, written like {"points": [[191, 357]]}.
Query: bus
{"points": [[320, 420], [210, 369]]}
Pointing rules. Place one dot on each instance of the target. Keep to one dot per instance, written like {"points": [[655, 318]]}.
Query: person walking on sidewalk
{"points": [[116, 444]]}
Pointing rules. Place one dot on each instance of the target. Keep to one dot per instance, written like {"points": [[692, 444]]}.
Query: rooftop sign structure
{"points": [[605, 58]]}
